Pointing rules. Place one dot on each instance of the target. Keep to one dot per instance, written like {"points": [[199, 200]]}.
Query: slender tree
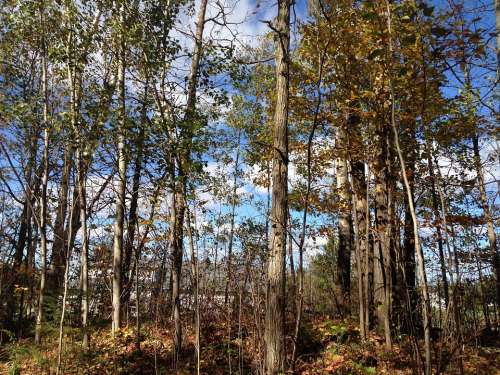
{"points": [[122, 175], [275, 294], [45, 178], [183, 167]]}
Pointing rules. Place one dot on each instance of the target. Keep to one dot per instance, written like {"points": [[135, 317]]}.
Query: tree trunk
{"points": [[25, 238], [132, 214], [122, 180], [43, 197], [487, 214], [438, 222], [57, 261], [179, 194], [20, 244], [79, 196], [194, 271], [418, 248], [409, 193], [484, 303], [136, 181], [177, 238], [343, 271], [407, 296], [382, 256], [65, 292], [360, 207], [275, 296], [233, 215], [85, 247]]}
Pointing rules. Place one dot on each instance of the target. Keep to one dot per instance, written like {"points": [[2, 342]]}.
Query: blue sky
{"points": [[251, 14]]}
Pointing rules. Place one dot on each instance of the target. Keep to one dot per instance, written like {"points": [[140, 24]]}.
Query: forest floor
{"points": [[327, 346]]}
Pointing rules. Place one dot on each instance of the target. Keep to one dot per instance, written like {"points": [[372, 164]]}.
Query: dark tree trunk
{"points": [[55, 272], [343, 267], [362, 244], [438, 222], [382, 254], [132, 219]]}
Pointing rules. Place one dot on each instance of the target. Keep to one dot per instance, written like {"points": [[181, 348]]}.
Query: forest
{"points": [[249, 187]]}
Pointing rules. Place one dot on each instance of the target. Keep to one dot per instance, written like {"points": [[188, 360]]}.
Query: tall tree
{"points": [[275, 294], [122, 173], [183, 161], [409, 193], [45, 178]]}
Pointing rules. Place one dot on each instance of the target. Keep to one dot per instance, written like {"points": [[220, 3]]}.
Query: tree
{"points": [[182, 165], [362, 152], [45, 178], [275, 294]]}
